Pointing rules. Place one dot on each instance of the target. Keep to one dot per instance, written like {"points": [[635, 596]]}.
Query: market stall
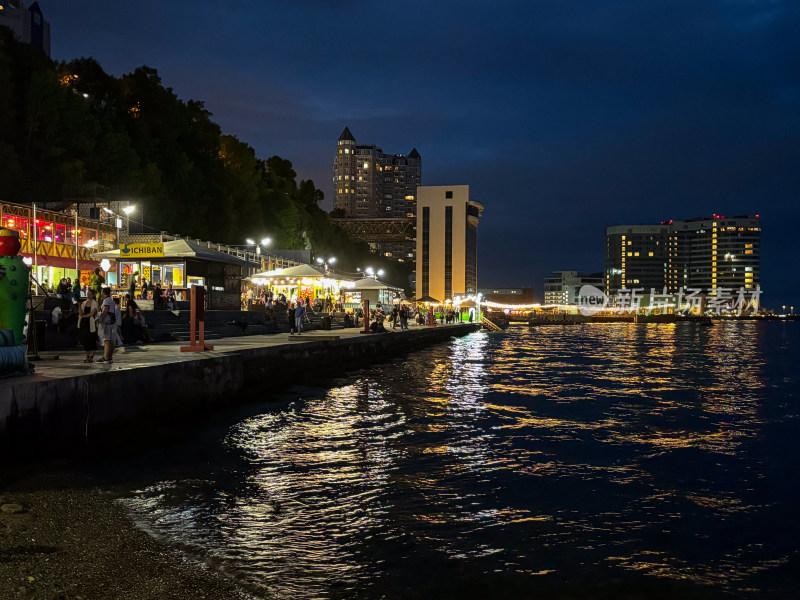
{"points": [[301, 281], [370, 288]]}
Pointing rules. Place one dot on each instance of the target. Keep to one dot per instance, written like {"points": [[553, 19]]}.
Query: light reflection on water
{"points": [[549, 460]]}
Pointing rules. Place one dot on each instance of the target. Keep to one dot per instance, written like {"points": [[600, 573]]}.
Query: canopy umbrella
{"points": [[468, 304], [428, 300]]}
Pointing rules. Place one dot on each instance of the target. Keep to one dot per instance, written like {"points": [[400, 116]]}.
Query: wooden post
{"points": [[197, 317]]}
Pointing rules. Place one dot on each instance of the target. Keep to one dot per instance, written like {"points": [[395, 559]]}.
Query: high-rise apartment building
{"points": [[705, 253], [447, 241], [370, 184], [376, 195]]}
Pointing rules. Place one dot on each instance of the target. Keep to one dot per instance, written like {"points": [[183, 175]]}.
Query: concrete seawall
{"points": [[49, 410]]}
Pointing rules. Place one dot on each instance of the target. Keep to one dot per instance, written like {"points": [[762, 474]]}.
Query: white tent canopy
{"points": [[299, 271], [369, 283]]}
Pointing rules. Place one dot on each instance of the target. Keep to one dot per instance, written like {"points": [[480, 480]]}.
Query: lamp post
{"points": [[327, 262], [262, 243]]}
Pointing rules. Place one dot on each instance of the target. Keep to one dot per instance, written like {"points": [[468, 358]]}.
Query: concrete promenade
{"points": [[69, 402]]}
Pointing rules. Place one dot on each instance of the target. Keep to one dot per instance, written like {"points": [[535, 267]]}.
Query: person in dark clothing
{"points": [[299, 313], [131, 331], [132, 286], [157, 297], [290, 318], [144, 289]]}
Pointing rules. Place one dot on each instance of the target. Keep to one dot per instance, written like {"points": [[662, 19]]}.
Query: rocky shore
{"points": [[63, 538]]}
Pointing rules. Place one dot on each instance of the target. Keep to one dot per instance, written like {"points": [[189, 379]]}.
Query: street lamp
{"points": [[326, 261]]}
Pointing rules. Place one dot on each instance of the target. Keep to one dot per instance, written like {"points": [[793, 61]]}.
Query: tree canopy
{"points": [[71, 123]]}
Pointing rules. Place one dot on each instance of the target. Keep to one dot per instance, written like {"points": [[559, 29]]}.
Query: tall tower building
{"points": [[447, 241], [376, 195]]}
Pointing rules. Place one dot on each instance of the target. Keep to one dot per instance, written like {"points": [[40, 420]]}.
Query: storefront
{"points": [[52, 241], [183, 264]]}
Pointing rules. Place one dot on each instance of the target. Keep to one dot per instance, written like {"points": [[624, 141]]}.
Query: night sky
{"points": [[564, 117]]}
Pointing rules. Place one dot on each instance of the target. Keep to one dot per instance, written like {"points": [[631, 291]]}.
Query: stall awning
{"points": [[185, 249], [296, 272], [61, 262], [370, 283]]}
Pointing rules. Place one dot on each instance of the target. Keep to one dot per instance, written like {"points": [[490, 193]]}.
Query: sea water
{"points": [[589, 461]]}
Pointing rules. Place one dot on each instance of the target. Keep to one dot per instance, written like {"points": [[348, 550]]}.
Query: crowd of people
{"points": [[101, 321]]}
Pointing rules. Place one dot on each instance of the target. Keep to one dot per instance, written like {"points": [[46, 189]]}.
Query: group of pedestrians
{"points": [[98, 321]]}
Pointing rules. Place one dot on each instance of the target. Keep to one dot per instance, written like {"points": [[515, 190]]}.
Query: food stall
{"points": [[301, 281], [370, 288], [184, 264]]}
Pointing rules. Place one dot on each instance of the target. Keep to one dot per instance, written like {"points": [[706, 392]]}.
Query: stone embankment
{"points": [[67, 404]]}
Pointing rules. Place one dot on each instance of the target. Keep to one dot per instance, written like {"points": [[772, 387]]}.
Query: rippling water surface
{"points": [[585, 461]]}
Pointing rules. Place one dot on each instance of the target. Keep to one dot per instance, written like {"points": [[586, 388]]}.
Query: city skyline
{"points": [[563, 120]]}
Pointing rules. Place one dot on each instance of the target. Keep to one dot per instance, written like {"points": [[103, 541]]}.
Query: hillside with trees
{"points": [[69, 124]]}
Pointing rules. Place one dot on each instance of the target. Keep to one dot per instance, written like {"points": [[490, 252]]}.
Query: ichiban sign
{"points": [[141, 250]]}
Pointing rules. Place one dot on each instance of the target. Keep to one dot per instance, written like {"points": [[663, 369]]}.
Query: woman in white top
{"points": [[107, 320], [86, 323]]}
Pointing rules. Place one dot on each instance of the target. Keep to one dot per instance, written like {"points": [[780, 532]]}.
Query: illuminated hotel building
{"points": [[447, 242], [636, 257], [703, 253]]}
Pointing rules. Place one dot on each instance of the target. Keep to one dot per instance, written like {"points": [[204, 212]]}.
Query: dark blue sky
{"points": [[564, 117]]}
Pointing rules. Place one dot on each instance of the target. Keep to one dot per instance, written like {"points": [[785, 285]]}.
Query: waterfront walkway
{"points": [[68, 363], [69, 400]]}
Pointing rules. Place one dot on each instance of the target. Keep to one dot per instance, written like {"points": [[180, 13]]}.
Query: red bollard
{"points": [[365, 308], [431, 319], [198, 314]]}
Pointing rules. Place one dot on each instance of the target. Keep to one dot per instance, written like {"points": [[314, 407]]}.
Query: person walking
{"points": [[144, 288], [107, 319], [87, 312], [299, 312], [290, 318]]}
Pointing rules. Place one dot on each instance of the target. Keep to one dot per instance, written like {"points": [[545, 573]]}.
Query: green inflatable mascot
{"points": [[14, 290]]}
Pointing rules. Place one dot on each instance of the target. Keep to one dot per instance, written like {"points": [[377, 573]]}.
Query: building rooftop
{"points": [[346, 135]]}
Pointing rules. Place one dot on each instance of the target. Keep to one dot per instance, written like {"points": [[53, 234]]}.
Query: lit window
{"points": [[366, 165], [636, 254], [748, 251], [649, 254]]}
